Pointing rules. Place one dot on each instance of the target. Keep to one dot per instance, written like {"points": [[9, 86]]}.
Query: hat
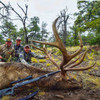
{"points": [[18, 38], [8, 39], [26, 46]]}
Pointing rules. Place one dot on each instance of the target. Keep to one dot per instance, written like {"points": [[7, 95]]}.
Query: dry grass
{"points": [[87, 79]]}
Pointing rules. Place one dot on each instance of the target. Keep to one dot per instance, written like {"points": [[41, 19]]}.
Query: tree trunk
{"points": [[25, 33]]}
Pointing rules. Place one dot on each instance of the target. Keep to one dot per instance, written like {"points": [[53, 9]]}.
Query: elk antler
{"points": [[66, 57], [45, 51]]}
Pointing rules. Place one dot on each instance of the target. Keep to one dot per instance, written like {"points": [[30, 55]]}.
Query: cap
{"points": [[26, 46], [18, 38], [8, 39]]}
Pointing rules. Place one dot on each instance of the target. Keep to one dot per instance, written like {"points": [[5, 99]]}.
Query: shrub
{"points": [[34, 60], [48, 64], [42, 61]]}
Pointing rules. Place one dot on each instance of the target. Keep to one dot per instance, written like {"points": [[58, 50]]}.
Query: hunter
{"points": [[18, 48], [7, 52], [25, 56]]}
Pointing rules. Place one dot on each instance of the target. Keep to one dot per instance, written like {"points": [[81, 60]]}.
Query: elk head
{"points": [[67, 64]]}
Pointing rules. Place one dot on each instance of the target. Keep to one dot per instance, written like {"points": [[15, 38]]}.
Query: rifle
{"points": [[19, 80], [29, 96], [10, 90]]}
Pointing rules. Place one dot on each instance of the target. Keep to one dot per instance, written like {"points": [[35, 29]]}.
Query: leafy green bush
{"points": [[95, 40]]}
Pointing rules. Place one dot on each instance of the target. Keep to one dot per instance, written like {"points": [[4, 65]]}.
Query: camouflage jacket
{"points": [[6, 52], [26, 57], [18, 49]]}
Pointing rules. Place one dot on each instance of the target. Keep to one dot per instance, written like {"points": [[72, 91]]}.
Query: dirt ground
{"points": [[70, 94], [90, 90]]}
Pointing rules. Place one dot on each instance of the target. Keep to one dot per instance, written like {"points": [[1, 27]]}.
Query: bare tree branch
{"points": [[21, 8]]}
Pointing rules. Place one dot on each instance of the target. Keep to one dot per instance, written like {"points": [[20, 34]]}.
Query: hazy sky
{"points": [[46, 10]]}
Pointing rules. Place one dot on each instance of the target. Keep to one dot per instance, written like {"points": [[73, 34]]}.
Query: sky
{"points": [[46, 10]]}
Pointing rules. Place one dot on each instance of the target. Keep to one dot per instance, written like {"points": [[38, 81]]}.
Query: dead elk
{"points": [[12, 71]]}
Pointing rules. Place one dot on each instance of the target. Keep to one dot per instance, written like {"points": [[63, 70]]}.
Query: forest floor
{"points": [[90, 81]]}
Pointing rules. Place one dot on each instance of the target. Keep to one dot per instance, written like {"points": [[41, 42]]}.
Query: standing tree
{"points": [[44, 33], [63, 22], [88, 18], [8, 29], [34, 29], [20, 33], [74, 31], [35, 32], [23, 18]]}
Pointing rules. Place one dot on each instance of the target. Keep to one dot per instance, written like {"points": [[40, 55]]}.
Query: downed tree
{"points": [[13, 71]]}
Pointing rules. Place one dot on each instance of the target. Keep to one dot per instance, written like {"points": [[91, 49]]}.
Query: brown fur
{"points": [[12, 71]]}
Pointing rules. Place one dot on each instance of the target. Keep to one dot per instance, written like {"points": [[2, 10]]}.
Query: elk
{"points": [[11, 71]]}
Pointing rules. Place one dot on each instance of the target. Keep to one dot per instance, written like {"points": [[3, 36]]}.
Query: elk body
{"points": [[12, 71]]}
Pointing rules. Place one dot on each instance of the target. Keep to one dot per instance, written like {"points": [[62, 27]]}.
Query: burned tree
{"points": [[4, 11], [8, 8], [63, 25], [12, 71]]}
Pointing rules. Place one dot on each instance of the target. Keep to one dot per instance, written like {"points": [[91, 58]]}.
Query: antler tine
{"points": [[79, 69], [55, 30], [51, 58], [58, 40], [81, 60], [78, 51], [36, 47], [47, 43], [71, 62], [45, 51]]}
